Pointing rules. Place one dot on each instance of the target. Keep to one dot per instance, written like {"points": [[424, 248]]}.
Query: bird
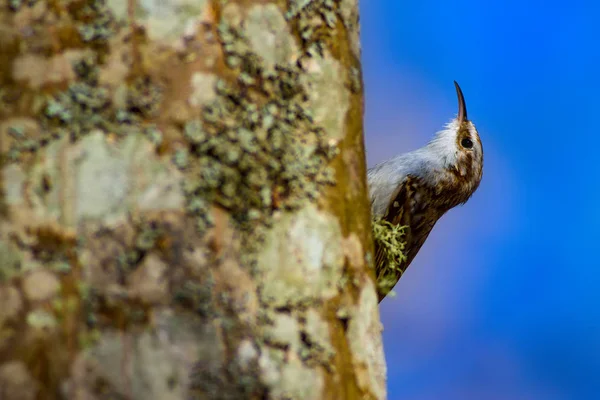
{"points": [[415, 189]]}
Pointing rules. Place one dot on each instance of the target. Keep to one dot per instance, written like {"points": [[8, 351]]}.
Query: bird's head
{"points": [[459, 150]]}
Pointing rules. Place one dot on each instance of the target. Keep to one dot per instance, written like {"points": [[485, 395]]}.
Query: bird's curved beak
{"points": [[462, 107]]}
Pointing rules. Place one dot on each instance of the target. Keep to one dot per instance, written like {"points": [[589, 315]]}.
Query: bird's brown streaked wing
{"points": [[395, 214], [409, 208]]}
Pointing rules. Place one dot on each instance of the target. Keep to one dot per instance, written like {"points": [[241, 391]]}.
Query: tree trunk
{"points": [[183, 204]]}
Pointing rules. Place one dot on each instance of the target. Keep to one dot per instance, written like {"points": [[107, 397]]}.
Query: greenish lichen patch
{"points": [[144, 97], [315, 20], [87, 106], [389, 239], [256, 147], [97, 24], [302, 259], [323, 76], [83, 107]]}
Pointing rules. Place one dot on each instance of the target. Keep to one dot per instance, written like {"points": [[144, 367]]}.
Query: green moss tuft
{"points": [[389, 239]]}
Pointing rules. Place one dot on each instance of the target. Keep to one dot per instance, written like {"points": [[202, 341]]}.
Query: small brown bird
{"points": [[415, 189]]}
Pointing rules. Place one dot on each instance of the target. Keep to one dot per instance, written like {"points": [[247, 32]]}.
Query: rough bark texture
{"points": [[183, 207]]}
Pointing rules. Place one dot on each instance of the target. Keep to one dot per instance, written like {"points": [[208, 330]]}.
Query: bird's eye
{"points": [[466, 143]]}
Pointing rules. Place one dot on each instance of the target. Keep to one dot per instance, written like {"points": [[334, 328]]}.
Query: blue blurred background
{"points": [[503, 300]]}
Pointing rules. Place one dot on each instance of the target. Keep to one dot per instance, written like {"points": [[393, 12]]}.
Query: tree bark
{"points": [[183, 203]]}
